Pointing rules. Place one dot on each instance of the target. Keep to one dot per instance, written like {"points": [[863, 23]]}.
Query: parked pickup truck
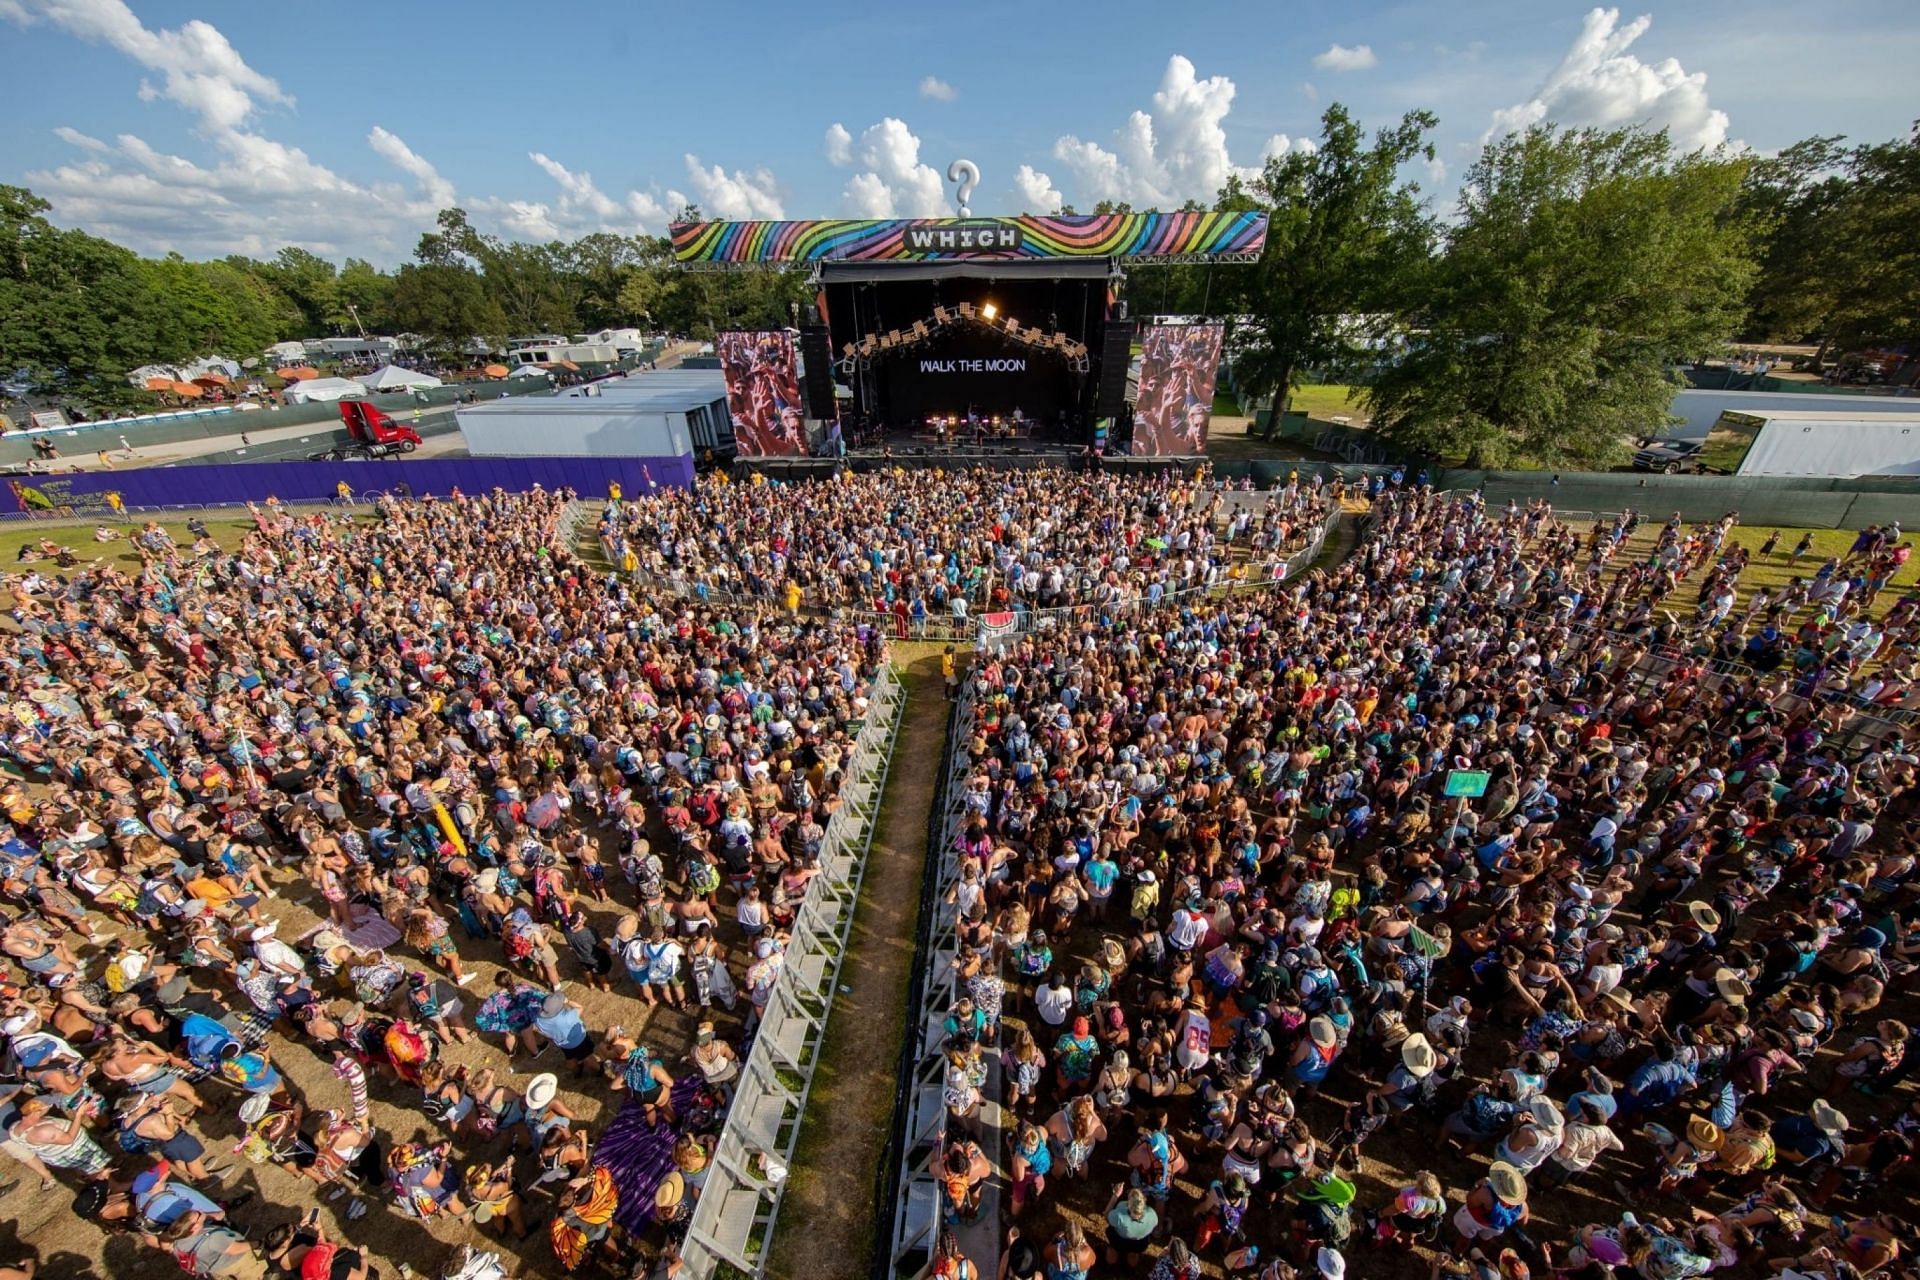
{"points": [[1669, 456]]}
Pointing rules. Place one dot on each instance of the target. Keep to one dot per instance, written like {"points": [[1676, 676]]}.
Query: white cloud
{"points": [[839, 145], [937, 89], [200, 69], [893, 183], [1308, 92], [1162, 158], [741, 194], [1601, 84], [73, 137], [1036, 191], [254, 195], [404, 158], [1340, 57]]}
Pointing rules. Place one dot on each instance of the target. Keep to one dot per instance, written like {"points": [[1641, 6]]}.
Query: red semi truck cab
{"points": [[375, 435]]}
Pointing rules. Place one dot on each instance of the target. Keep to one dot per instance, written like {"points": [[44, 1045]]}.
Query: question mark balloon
{"points": [[967, 174]]}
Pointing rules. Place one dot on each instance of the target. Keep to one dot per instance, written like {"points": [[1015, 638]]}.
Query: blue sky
{"points": [[222, 126]]}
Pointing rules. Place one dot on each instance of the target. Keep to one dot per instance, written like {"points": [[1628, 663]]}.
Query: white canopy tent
{"points": [[317, 390], [530, 371], [394, 378]]}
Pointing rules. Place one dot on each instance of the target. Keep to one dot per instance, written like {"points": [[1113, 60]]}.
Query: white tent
{"points": [[323, 389], [394, 378], [529, 371]]}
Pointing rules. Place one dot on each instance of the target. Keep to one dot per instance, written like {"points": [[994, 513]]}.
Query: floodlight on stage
{"points": [[989, 311]]}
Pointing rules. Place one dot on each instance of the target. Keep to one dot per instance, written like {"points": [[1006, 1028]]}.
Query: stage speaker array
{"points": [[1116, 352], [816, 354]]}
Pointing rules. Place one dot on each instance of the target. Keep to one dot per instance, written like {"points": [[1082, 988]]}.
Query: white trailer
{"points": [[1824, 444], [562, 426], [1698, 411]]}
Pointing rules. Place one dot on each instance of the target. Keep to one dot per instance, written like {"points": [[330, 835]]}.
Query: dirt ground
{"points": [[828, 1227], [865, 1020]]}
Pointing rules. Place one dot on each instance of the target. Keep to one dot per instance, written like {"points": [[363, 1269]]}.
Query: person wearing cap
{"points": [[1535, 1137], [563, 1027]]}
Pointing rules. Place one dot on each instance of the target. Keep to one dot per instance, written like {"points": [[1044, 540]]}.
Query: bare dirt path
{"points": [[827, 1229]]}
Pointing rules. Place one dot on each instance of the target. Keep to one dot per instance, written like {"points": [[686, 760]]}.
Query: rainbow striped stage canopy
{"points": [[1136, 237]]}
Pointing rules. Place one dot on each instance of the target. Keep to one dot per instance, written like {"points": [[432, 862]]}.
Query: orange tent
{"points": [[568, 364], [188, 390], [495, 371], [212, 379], [299, 373], [159, 384]]}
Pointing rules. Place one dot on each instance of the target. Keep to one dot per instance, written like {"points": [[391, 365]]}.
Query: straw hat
{"points": [[1828, 1119], [1321, 1030], [1113, 953], [541, 1088], [1702, 1132], [1417, 1055], [1703, 915], [672, 1189], [1507, 1182], [1732, 988]]}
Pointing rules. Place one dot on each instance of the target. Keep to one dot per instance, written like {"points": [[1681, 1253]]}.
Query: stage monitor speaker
{"points": [[1116, 351], [816, 355]]}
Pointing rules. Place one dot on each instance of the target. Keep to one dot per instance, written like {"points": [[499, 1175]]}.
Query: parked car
{"points": [[1669, 456]]}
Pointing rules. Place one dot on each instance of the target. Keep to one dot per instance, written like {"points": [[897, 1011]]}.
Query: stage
{"points": [[979, 340]]}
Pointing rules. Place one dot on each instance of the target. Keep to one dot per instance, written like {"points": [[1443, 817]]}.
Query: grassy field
{"points": [[79, 538], [1326, 400], [1774, 571]]}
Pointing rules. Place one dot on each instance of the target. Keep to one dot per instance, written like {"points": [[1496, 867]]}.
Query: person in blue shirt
{"points": [[560, 1022]]}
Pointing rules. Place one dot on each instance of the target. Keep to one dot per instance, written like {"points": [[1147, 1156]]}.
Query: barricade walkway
{"points": [[828, 1229]]}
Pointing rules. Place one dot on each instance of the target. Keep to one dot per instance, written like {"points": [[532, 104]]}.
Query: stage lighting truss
{"points": [[856, 356]]}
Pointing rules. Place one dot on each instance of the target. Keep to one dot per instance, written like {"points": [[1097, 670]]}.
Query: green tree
{"points": [[1583, 265], [447, 304], [1347, 237], [1788, 200], [363, 299]]}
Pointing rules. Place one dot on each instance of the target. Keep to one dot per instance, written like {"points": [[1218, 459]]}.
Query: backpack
{"points": [[134, 1144]]}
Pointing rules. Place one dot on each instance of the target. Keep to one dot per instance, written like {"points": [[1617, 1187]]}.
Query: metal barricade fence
{"points": [[917, 1202], [735, 1218]]}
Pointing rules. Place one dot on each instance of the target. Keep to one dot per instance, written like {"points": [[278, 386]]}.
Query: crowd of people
{"points": [[1476, 907], [321, 850], [934, 543], [395, 869]]}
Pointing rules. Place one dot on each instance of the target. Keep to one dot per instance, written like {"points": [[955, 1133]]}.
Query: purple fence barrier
{"points": [[318, 481]]}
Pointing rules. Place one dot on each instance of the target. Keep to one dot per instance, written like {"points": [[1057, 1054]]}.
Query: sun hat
{"points": [[1731, 986], [1321, 1030], [1417, 1055], [1113, 953], [1703, 915], [1702, 1132], [254, 1108], [541, 1088], [672, 1188], [1507, 1182], [1330, 1263], [1546, 1115], [1828, 1119]]}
